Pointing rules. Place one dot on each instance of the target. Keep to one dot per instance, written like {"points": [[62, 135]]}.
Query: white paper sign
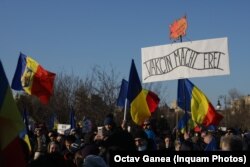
{"points": [[63, 129], [185, 60]]}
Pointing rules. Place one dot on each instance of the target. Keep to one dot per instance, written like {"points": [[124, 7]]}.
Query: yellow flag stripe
{"points": [[199, 105], [139, 109], [28, 74]]}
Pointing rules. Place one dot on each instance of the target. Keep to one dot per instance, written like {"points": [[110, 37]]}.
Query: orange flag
{"points": [[178, 28]]}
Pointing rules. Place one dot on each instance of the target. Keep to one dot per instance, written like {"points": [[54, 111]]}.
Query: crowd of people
{"points": [[80, 148]]}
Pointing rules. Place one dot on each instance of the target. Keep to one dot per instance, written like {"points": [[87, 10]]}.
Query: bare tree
{"points": [[237, 116], [94, 96], [234, 94], [63, 97], [107, 84]]}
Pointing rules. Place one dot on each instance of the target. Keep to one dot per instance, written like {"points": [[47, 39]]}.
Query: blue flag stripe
{"points": [[184, 94], [123, 93], [16, 82], [134, 86], [3, 84]]}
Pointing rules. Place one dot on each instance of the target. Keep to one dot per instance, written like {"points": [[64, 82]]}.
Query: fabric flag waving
{"points": [[142, 102], [33, 78], [178, 28], [123, 93], [11, 124], [186, 123], [191, 98]]}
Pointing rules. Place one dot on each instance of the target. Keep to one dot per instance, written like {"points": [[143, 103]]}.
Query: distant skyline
{"points": [[74, 36]]}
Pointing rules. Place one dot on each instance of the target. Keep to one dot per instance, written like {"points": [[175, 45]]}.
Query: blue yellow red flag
{"points": [[31, 77], [142, 102], [11, 124], [192, 99]]}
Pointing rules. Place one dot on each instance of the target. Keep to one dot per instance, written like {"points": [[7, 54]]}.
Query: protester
{"points": [[142, 142], [231, 143], [40, 143], [52, 135], [54, 147], [209, 139], [168, 143]]}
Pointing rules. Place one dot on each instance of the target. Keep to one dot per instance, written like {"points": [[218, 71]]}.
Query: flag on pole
{"points": [[122, 94], [11, 124], [33, 78], [192, 99], [53, 122], [186, 123], [72, 120], [25, 133], [178, 28], [25, 119], [142, 102], [182, 123]]}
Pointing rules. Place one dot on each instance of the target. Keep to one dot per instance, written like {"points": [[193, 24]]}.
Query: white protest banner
{"points": [[63, 129], [185, 60]]}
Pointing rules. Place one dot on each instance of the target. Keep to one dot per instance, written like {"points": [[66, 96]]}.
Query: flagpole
{"points": [[184, 97], [176, 133], [125, 110], [185, 105], [183, 89]]}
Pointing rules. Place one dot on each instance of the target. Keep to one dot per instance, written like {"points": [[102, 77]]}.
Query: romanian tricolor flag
{"points": [[191, 98], [186, 123], [11, 124], [33, 79], [142, 102]]}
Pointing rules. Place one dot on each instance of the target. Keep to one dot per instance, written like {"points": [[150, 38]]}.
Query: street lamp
{"points": [[223, 97], [218, 106]]}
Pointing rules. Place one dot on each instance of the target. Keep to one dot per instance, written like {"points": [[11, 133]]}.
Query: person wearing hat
{"points": [[149, 131], [109, 127], [142, 142]]}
